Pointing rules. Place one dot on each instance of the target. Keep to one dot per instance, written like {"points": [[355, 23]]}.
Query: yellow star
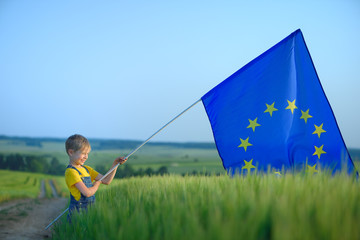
{"points": [[311, 170], [253, 124], [319, 151], [270, 108], [248, 165], [305, 115], [245, 143], [291, 106], [319, 130]]}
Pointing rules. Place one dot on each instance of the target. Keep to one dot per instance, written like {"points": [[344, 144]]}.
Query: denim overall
{"points": [[83, 202]]}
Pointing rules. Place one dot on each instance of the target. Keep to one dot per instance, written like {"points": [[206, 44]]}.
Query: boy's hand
{"points": [[97, 182], [120, 160]]}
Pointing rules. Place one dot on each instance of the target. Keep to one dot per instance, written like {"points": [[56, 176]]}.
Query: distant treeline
{"points": [[98, 144], [355, 154], [104, 144], [128, 171], [109, 144], [31, 163], [41, 164]]}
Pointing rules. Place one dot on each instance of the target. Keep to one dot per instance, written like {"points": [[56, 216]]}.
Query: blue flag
{"points": [[273, 114]]}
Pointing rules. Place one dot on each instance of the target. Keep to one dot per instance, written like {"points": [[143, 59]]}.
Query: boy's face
{"points": [[79, 157]]}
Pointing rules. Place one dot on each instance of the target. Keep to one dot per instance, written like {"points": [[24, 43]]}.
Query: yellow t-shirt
{"points": [[72, 177]]}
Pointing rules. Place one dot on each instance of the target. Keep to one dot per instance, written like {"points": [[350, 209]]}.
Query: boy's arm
{"points": [[87, 192], [111, 175]]}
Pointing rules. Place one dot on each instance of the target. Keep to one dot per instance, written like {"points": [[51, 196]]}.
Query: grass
{"points": [[220, 207], [60, 186], [48, 190], [15, 185], [18, 185]]}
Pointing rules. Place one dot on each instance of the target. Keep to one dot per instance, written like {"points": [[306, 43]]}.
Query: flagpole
{"points": [[192, 105], [132, 152]]}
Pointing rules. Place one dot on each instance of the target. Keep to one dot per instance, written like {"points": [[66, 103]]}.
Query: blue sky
{"points": [[122, 69]]}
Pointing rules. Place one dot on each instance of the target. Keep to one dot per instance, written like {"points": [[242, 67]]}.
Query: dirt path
{"points": [[26, 219], [53, 189]]}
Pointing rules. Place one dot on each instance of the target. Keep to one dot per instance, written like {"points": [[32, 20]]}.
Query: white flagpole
{"points": [[162, 129], [132, 152]]}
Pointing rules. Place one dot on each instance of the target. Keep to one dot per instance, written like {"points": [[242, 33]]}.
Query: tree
{"points": [[2, 162], [15, 162], [163, 170], [140, 172], [149, 171], [101, 169], [56, 168], [125, 172], [37, 164]]}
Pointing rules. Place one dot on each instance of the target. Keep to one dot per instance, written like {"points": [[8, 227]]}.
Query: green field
{"points": [[18, 185], [194, 207], [178, 158], [220, 207]]}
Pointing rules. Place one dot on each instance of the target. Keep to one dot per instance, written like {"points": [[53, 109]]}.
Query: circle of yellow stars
{"points": [[270, 108]]}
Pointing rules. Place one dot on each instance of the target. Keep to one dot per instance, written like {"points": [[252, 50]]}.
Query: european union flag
{"points": [[273, 113]]}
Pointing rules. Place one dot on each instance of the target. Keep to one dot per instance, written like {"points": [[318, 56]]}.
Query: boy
{"points": [[79, 178]]}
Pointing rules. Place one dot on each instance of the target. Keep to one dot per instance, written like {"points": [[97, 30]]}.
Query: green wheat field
{"points": [[186, 203], [20, 185], [290, 206]]}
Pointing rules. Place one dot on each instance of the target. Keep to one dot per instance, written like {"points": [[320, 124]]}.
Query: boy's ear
{"points": [[70, 152]]}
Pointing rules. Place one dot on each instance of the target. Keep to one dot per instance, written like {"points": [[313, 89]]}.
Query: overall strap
{"points": [[86, 169], [69, 166]]}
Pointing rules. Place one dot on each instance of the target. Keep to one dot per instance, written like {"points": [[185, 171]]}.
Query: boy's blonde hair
{"points": [[76, 142]]}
